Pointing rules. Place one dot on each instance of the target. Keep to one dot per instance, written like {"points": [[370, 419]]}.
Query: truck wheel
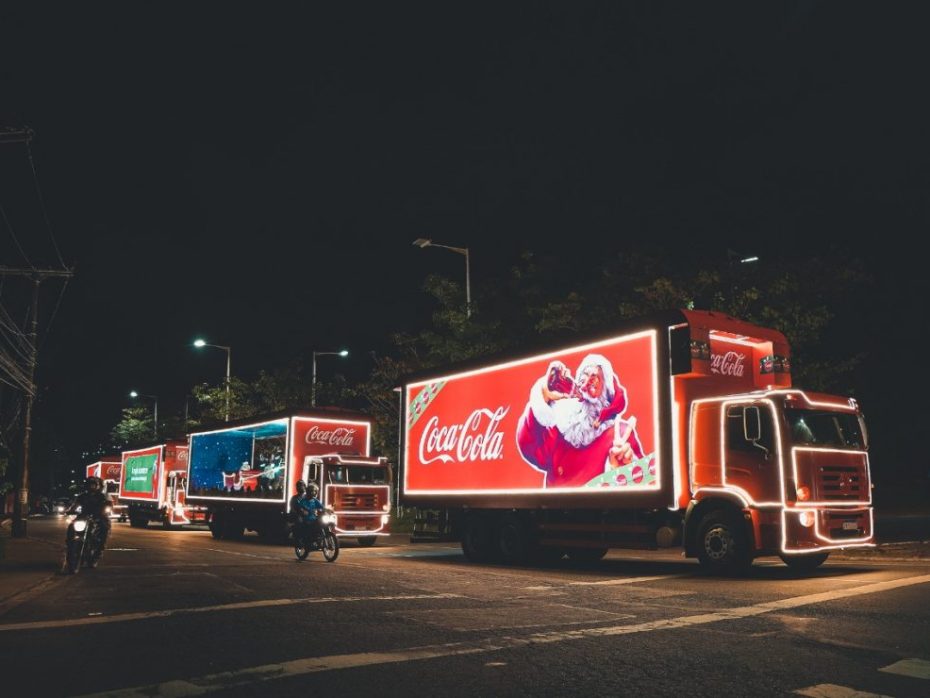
{"points": [[476, 539], [805, 563], [168, 526], [216, 526], [722, 544], [586, 555], [513, 546], [138, 522], [367, 541]]}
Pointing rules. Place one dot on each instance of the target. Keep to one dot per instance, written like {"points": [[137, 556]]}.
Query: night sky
{"points": [[256, 175]]}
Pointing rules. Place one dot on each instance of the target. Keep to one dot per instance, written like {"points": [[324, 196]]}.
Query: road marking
{"points": [[267, 603], [122, 550], [829, 690], [311, 665], [915, 668], [627, 580]]}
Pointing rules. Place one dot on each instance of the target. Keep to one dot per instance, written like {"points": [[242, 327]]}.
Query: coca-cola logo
{"points": [[476, 439], [341, 436], [730, 364]]}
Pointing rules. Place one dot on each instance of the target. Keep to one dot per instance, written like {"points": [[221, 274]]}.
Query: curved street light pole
{"points": [[133, 393], [342, 353], [426, 242], [201, 343]]}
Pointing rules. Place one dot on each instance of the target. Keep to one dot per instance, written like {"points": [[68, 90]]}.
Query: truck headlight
{"points": [[327, 519], [79, 525], [804, 493], [384, 519], [807, 519]]}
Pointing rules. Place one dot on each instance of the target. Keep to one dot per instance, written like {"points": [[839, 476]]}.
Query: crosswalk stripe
{"points": [[830, 690], [915, 668]]}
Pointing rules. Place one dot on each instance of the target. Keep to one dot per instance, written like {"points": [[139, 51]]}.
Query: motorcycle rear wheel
{"points": [[301, 550], [330, 546]]}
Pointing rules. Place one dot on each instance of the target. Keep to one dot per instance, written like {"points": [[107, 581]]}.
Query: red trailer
{"points": [[245, 474], [110, 470], [153, 486], [679, 428]]}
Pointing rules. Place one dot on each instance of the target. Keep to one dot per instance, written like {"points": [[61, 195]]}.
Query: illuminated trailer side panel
{"points": [[580, 427], [141, 475]]}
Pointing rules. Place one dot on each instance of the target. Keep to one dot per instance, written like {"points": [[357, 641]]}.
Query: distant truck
{"points": [[110, 470], [245, 474], [678, 429], [153, 486]]}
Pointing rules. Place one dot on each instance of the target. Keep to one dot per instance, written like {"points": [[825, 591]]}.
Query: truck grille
{"points": [[358, 502], [842, 482]]}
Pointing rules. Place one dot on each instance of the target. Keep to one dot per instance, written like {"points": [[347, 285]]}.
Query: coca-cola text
{"points": [[341, 436], [477, 439], [730, 364]]}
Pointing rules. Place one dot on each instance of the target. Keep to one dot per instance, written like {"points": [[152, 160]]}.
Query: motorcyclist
{"points": [[308, 511], [94, 503], [301, 487]]}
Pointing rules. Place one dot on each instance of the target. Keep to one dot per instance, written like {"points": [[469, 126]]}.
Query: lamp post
{"points": [[134, 394], [342, 353], [426, 242], [201, 343]]}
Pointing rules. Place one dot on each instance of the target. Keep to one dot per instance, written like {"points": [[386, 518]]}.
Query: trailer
{"points": [[153, 486], [110, 470], [680, 429], [245, 474]]}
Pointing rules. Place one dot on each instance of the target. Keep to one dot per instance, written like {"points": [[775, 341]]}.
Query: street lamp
{"points": [[426, 242], [201, 343], [343, 353], [134, 394]]}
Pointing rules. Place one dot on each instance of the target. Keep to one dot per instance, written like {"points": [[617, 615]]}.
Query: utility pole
{"points": [[21, 504]]}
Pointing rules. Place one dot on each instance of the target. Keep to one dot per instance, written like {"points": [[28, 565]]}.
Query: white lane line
{"points": [[829, 690], [310, 665], [915, 668], [267, 603], [628, 580]]}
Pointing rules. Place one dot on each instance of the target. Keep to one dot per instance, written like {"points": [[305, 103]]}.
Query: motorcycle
{"points": [[325, 539], [83, 544]]}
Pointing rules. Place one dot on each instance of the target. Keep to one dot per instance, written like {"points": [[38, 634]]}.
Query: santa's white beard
{"points": [[575, 419]]}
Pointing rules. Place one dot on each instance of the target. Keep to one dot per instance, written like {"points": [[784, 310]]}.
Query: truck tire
{"points": [[167, 525], [367, 541], [586, 555], [138, 521], [477, 541], [216, 526], [805, 563], [723, 546], [233, 530], [512, 541]]}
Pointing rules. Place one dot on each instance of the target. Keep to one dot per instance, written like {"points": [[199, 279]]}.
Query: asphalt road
{"points": [[178, 613]]}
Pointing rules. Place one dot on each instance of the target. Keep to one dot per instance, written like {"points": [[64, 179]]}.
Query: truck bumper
{"points": [[828, 529], [351, 525]]}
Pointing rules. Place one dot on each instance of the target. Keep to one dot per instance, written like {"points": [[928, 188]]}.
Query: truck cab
{"points": [[358, 490], [797, 465]]}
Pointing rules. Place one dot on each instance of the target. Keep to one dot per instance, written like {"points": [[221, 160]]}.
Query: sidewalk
{"points": [[25, 563]]}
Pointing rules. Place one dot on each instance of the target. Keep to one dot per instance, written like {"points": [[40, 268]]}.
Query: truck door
{"points": [[751, 460]]}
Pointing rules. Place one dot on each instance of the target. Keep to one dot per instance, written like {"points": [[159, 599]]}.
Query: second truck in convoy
{"points": [[679, 429], [244, 474]]}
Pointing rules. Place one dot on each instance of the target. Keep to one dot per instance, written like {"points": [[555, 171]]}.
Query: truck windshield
{"points": [[825, 428], [360, 475]]}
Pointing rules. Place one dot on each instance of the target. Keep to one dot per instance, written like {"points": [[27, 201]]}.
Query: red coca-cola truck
{"points": [[683, 428], [109, 470], [244, 474], [153, 486]]}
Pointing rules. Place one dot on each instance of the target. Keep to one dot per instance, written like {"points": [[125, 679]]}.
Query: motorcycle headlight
{"points": [[327, 519], [79, 525]]}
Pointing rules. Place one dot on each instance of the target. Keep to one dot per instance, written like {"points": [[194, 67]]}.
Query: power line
{"points": [[9, 227], [48, 225]]}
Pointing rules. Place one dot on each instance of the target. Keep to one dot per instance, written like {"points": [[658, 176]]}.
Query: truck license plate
{"points": [[850, 526]]}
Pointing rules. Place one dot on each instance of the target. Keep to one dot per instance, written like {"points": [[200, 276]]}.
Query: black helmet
{"points": [[301, 486], [93, 481], [313, 490]]}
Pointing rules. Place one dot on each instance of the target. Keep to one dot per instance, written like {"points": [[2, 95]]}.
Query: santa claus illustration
{"points": [[571, 428]]}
